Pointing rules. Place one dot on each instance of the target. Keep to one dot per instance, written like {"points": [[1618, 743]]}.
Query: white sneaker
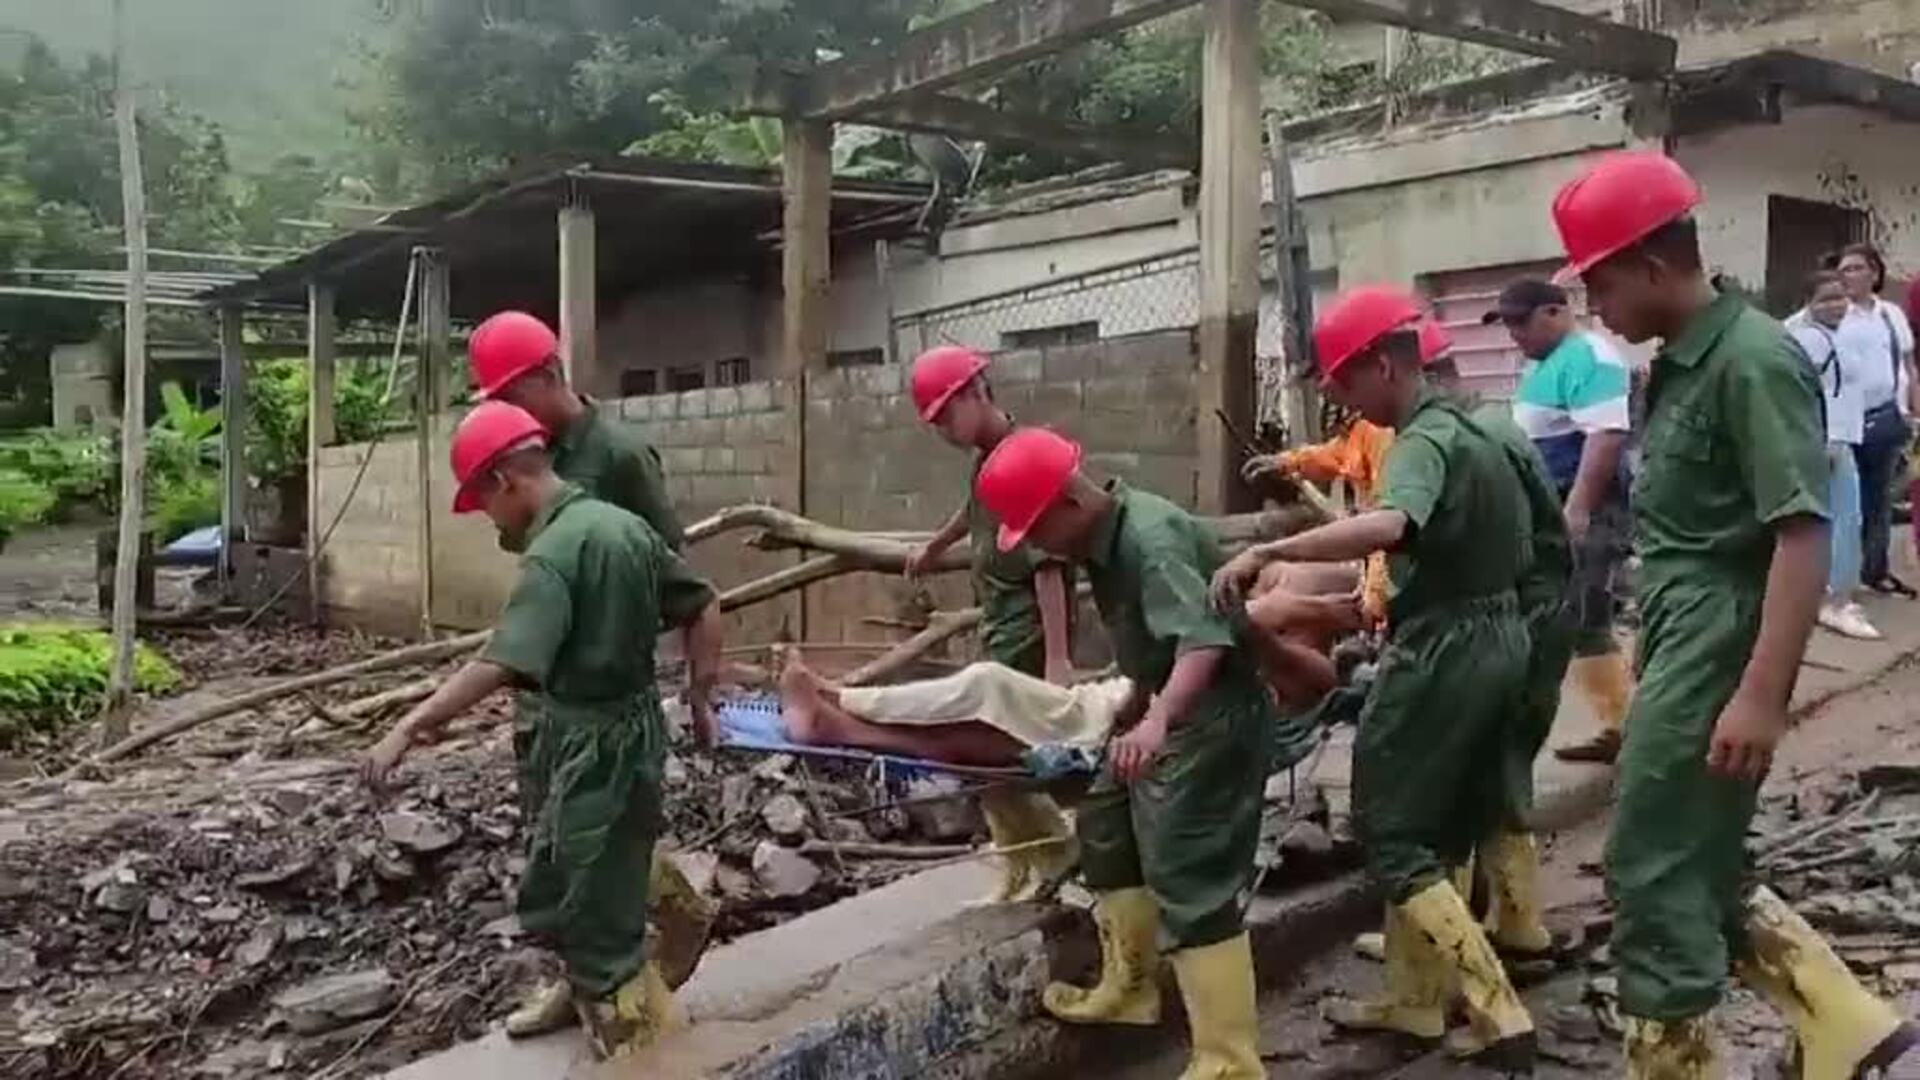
{"points": [[1848, 620], [1857, 623]]}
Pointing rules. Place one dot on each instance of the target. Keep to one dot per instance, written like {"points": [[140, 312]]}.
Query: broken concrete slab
{"points": [[783, 872], [420, 833], [334, 1001]]}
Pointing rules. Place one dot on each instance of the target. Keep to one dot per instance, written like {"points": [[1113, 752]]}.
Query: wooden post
{"points": [[233, 437], [320, 428], [883, 278], [436, 360], [114, 719], [1291, 267], [1229, 245], [805, 281], [579, 340]]}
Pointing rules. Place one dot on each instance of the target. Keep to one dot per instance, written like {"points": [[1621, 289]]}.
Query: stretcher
{"points": [[753, 723]]}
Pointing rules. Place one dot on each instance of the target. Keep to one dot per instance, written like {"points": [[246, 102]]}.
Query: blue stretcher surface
{"points": [[753, 723]]}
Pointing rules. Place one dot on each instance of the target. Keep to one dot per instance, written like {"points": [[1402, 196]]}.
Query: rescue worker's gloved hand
{"points": [[1264, 467]]}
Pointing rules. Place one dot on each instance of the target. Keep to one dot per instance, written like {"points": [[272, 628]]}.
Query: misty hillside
{"points": [[269, 72]]}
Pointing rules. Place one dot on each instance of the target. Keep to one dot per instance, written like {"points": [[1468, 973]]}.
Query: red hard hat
{"points": [[1434, 340], [490, 430], [1022, 478], [939, 374], [1617, 203], [1357, 319], [507, 346]]}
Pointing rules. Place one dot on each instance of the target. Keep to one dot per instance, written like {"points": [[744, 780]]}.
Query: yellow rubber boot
{"points": [[1015, 818], [1512, 863], [1129, 988], [1608, 686], [1841, 1030], [1675, 1050], [1415, 1001], [548, 1008], [682, 921], [635, 1017], [1500, 1032], [1216, 982]]}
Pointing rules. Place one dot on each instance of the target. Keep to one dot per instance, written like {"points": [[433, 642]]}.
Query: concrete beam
{"points": [[321, 328], [1522, 26], [972, 45], [233, 427], [963, 118], [579, 338], [1229, 246]]}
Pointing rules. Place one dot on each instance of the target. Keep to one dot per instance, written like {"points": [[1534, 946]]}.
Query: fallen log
{"points": [[429, 652], [786, 580], [943, 627]]}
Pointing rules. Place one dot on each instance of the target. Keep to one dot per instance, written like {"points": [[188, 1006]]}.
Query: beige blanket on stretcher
{"points": [[1031, 710]]}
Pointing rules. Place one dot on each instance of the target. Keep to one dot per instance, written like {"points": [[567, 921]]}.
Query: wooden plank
{"points": [[972, 45], [963, 118], [1229, 245], [436, 362], [321, 330], [806, 266], [114, 718], [579, 339], [1522, 26], [233, 432]]}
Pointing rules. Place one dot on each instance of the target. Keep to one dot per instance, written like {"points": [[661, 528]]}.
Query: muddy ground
{"points": [[1869, 907]]}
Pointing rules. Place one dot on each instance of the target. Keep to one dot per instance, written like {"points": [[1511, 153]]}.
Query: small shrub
{"points": [[53, 675], [188, 503], [77, 468], [23, 502]]}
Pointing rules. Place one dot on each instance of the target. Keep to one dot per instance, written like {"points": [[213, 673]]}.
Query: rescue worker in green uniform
{"points": [[1509, 860], [1730, 516], [1431, 774], [596, 588], [1025, 602], [515, 358], [1168, 830]]}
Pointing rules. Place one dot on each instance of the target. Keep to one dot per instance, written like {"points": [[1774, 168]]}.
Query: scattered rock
{"points": [[334, 1001], [736, 796], [17, 965], [15, 886], [391, 865], [248, 1058], [506, 928], [674, 773], [783, 872], [258, 948], [298, 928], [417, 832], [159, 909], [225, 913], [289, 801], [847, 831], [942, 819], [699, 868], [120, 897], [785, 816], [276, 875], [733, 884], [777, 768]]}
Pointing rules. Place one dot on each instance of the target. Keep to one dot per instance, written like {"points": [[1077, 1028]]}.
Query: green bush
{"points": [[76, 468], [53, 675], [277, 412], [190, 503], [23, 502]]}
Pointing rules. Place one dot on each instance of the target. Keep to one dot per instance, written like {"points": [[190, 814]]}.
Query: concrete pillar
{"points": [[320, 426], [233, 439], [430, 400], [1229, 246], [579, 337]]}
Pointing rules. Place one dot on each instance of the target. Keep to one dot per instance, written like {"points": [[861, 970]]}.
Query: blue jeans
{"points": [[1878, 457], [1843, 573]]}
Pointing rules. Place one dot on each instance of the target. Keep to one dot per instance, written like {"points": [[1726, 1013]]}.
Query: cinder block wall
{"points": [[870, 464]]}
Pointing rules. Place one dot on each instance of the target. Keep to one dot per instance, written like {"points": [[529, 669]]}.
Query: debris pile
{"points": [[266, 917]]}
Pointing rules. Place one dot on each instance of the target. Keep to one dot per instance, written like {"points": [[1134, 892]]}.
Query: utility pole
{"points": [[133, 412]]}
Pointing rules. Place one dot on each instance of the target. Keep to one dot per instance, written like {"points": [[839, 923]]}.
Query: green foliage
{"points": [[177, 508], [73, 469], [23, 502], [277, 412], [53, 675]]}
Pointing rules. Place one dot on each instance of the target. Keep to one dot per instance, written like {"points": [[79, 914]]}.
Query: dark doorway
{"points": [[1801, 232]]}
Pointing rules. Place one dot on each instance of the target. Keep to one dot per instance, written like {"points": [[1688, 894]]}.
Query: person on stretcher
{"points": [[988, 715]]}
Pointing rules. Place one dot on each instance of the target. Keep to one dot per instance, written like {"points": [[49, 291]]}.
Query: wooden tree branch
{"points": [[944, 626], [427, 653], [784, 581]]}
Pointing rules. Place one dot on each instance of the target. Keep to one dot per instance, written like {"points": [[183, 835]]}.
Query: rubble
{"points": [[783, 872], [336, 1000]]}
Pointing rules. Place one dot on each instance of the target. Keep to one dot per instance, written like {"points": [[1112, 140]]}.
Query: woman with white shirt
{"points": [[1876, 345], [1816, 328]]}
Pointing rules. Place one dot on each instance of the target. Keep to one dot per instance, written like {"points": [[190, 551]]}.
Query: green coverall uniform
{"points": [[1735, 443], [1187, 831], [596, 588], [1010, 626], [1450, 679], [1544, 603], [612, 467]]}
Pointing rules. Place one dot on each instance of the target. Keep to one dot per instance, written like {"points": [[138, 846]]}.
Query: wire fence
{"points": [[1159, 292]]}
